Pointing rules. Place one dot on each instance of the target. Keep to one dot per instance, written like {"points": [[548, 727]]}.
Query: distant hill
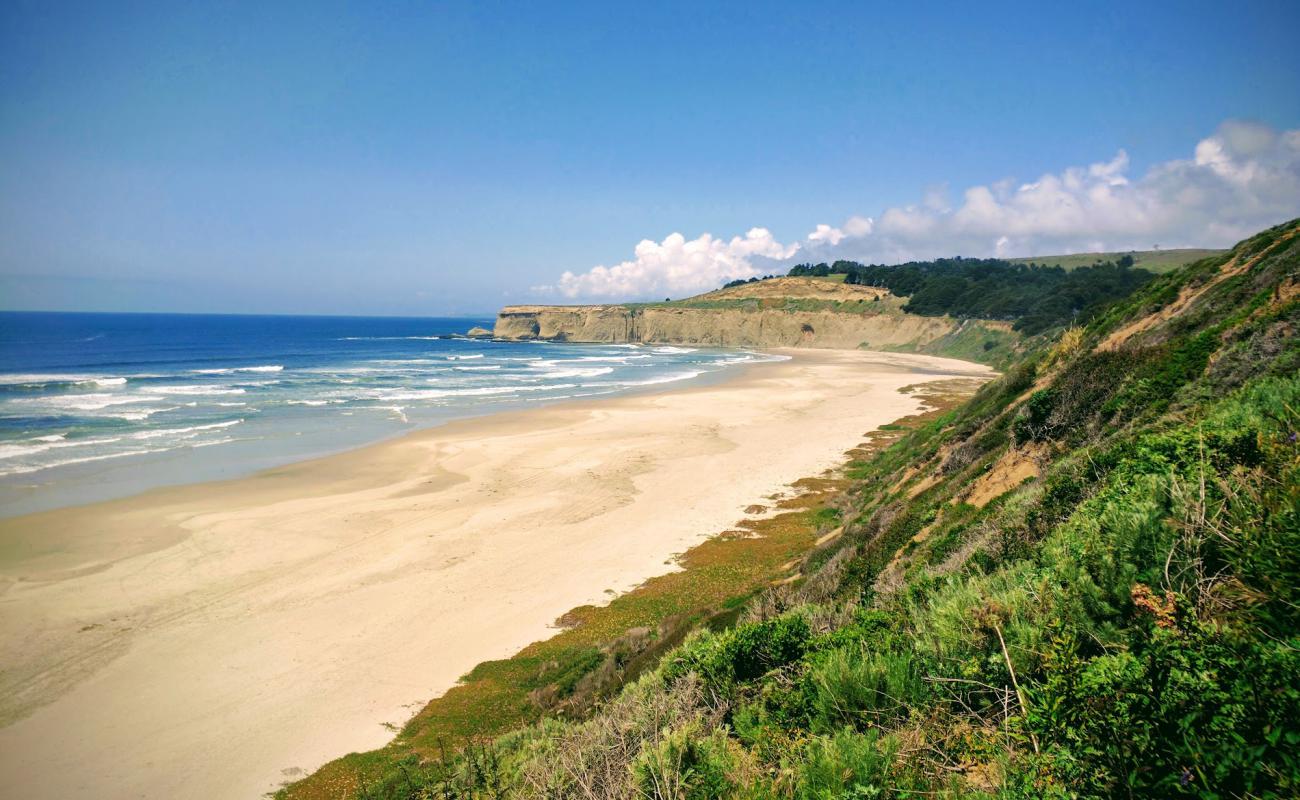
{"points": [[1157, 261]]}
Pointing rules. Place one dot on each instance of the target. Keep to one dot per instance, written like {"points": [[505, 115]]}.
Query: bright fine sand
{"points": [[212, 641]]}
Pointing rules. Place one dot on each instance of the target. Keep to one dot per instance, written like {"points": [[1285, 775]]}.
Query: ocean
{"points": [[98, 406]]}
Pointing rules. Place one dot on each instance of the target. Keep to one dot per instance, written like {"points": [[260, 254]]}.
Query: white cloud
{"points": [[677, 266], [825, 233], [853, 227], [1243, 178]]}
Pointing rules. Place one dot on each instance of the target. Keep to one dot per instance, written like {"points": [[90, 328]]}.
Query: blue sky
{"points": [[424, 158]]}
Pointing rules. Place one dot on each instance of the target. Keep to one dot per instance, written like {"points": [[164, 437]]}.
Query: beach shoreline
{"points": [[220, 638]]}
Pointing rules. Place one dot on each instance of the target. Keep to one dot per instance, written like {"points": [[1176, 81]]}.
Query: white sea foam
{"points": [[670, 350], [398, 411], [28, 379], [669, 378], [138, 414], [344, 370], [26, 468], [619, 359], [94, 401], [226, 440], [483, 368], [484, 391], [578, 373], [42, 444], [183, 433], [404, 361], [192, 390], [228, 370], [45, 379], [17, 450]]}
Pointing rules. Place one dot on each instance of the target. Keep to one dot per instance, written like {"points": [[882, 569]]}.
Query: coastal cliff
{"points": [[720, 327], [781, 312]]}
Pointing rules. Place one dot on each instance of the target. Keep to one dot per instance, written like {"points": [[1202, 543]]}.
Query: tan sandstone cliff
{"points": [[780, 312]]}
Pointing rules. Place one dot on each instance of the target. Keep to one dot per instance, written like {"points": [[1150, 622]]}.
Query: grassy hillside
{"points": [[1083, 582], [1158, 261], [792, 294]]}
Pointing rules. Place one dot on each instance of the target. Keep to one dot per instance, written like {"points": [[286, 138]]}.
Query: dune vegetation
{"points": [[1084, 581]]}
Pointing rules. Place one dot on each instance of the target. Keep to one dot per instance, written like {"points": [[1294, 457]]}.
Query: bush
{"points": [[847, 765], [741, 654], [853, 687], [1190, 713], [685, 764]]}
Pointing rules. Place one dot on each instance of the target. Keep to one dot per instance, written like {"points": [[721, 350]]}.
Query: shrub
{"points": [[742, 653], [847, 765], [685, 764], [1193, 712], [858, 688]]}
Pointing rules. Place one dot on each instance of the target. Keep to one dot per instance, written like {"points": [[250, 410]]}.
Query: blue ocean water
{"points": [[94, 406]]}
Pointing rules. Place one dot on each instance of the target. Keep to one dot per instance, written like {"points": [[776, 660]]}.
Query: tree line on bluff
{"points": [[1036, 298]]}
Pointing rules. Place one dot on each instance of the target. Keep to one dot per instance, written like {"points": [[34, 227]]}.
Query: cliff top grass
{"points": [[1157, 261], [863, 306], [823, 288], [825, 294], [818, 293]]}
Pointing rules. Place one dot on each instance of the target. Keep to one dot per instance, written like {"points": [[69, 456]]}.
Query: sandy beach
{"points": [[216, 640]]}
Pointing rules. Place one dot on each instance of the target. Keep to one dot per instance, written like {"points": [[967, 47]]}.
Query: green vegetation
{"points": [[1083, 582], [857, 306], [982, 341], [1034, 298], [1157, 261], [742, 281]]}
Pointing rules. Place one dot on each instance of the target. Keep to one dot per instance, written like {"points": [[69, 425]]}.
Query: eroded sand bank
{"points": [[214, 640]]}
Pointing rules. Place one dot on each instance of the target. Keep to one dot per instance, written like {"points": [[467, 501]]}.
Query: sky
{"points": [[446, 158]]}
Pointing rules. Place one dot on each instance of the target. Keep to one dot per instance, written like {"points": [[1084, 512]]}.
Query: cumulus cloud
{"points": [[1241, 179], [852, 227], [678, 266]]}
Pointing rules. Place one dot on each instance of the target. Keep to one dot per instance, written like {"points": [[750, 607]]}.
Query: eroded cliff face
{"points": [[775, 312], [723, 327], [610, 324]]}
